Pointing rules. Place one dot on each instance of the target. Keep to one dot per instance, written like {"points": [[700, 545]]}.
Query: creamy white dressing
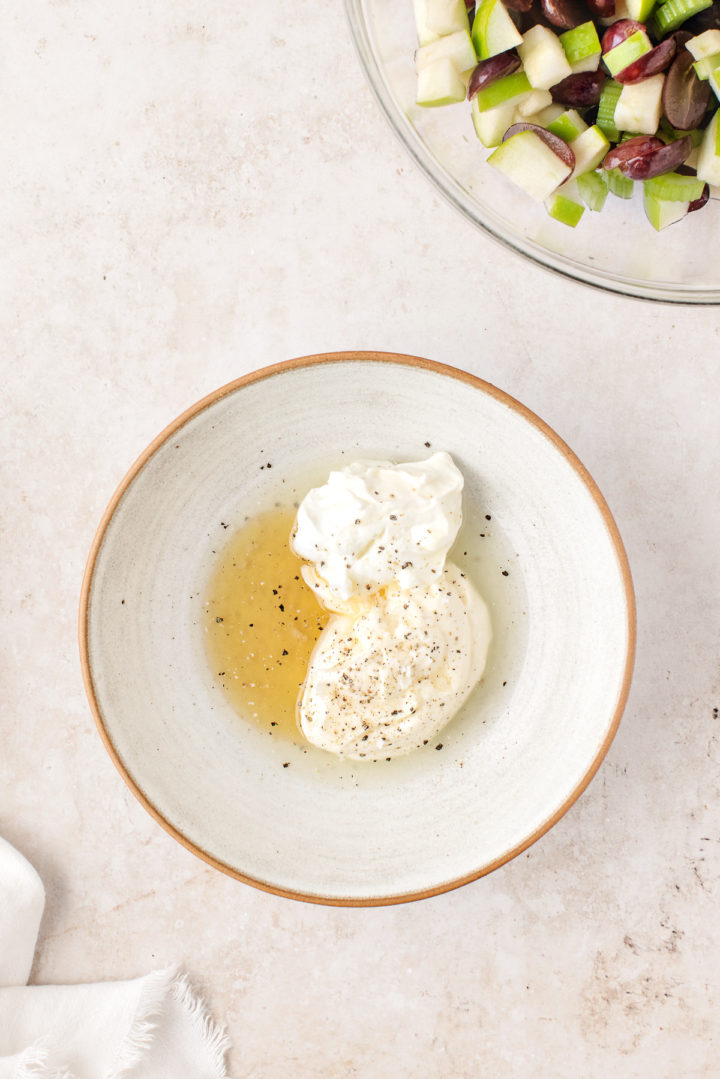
{"points": [[409, 635], [374, 523]]}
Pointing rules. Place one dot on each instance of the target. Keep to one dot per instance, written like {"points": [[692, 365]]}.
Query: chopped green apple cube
{"points": [[621, 12], [424, 34], [714, 80], [568, 125], [581, 43], [704, 45], [661, 213], [640, 10], [534, 102], [704, 68], [565, 210], [627, 52], [546, 116], [511, 88], [639, 106], [491, 125], [708, 163], [446, 16], [493, 30], [589, 147], [590, 63], [455, 47], [674, 187], [593, 190], [543, 58], [440, 84], [531, 164]]}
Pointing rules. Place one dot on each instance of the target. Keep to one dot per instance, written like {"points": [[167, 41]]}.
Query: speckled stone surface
{"points": [[193, 191]]}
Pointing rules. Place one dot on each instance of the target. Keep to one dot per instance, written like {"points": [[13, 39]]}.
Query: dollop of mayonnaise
{"points": [[409, 636]]}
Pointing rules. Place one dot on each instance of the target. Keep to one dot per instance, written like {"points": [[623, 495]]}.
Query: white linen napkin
{"points": [[148, 1028]]}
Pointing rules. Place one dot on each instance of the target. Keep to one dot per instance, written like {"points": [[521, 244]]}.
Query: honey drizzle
{"points": [[261, 623]]}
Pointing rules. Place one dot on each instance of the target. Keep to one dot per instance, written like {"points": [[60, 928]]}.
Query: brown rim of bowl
{"points": [[344, 357]]}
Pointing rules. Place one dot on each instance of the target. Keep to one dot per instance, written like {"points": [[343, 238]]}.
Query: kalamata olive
{"points": [[651, 63], [518, 5], [535, 16], [618, 32], [645, 156], [601, 9], [565, 14], [518, 18], [681, 38], [553, 142], [685, 97], [488, 71], [577, 91]]}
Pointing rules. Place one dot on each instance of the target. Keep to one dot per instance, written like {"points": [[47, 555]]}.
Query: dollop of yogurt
{"points": [[409, 636]]}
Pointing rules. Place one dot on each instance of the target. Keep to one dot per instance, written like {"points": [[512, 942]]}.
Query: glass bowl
{"points": [[616, 250]]}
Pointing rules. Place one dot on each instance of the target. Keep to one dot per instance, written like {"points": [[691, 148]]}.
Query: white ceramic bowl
{"points": [[528, 740]]}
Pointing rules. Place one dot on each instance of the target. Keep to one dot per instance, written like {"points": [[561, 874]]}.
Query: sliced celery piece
{"points": [[673, 13], [593, 190], [606, 109], [617, 183], [674, 187]]}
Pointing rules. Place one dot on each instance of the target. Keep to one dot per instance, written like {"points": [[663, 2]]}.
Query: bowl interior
{"points": [[538, 541], [616, 249]]}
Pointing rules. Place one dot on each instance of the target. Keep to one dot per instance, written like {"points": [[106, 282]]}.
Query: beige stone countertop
{"points": [[195, 190]]}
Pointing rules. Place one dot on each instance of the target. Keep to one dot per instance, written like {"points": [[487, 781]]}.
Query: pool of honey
{"points": [[262, 622]]}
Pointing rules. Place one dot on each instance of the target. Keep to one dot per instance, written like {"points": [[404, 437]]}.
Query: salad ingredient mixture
{"points": [[578, 98], [408, 636]]}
